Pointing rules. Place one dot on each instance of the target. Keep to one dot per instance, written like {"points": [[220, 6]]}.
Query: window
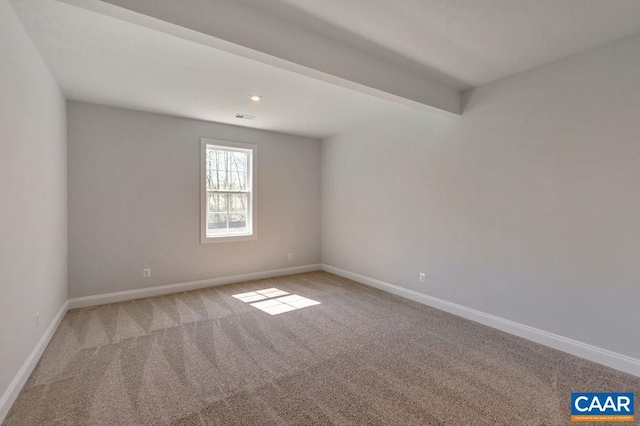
{"points": [[228, 198]]}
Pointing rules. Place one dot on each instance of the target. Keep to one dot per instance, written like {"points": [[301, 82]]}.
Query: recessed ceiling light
{"points": [[255, 98]]}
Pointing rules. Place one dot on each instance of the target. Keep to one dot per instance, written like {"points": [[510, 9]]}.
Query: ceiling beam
{"points": [[252, 32]]}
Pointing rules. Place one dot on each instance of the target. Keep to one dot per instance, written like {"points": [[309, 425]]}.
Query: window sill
{"points": [[228, 239]]}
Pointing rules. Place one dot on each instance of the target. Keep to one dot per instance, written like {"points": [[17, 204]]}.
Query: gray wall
{"points": [[134, 201], [33, 190], [526, 207]]}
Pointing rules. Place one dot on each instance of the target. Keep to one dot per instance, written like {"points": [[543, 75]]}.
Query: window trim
{"points": [[253, 194]]}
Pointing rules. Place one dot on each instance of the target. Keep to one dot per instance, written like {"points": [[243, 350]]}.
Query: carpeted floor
{"points": [[361, 356]]}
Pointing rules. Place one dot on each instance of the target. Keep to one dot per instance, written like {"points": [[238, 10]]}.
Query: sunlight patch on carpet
{"points": [[270, 301]]}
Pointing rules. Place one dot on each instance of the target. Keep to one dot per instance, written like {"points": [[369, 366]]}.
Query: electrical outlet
{"points": [[423, 277], [290, 257], [37, 319], [146, 272]]}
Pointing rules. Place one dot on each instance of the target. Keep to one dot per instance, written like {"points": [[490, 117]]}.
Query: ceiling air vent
{"points": [[245, 116]]}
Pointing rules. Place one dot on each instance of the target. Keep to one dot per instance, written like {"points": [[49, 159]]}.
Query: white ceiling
{"points": [[103, 60], [477, 41], [105, 57]]}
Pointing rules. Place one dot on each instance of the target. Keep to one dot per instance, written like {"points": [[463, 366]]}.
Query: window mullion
{"points": [[228, 211]]}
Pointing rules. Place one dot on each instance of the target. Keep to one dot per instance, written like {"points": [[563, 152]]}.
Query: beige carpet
{"points": [[361, 356]]}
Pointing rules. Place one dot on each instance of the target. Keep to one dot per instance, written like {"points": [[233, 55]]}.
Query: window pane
{"points": [[221, 179], [212, 179], [237, 222], [216, 203], [210, 175], [221, 159], [238, 161], [237, 181], [216, 223], [238, 203], [226, 170], [211, 158]]}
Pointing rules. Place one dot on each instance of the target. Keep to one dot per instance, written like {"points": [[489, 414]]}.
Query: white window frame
{"points": [[252, 224]]}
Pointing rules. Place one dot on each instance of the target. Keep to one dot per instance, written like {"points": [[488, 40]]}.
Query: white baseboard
{"points": [[121, 296], [583, 350], [10, 395]]}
